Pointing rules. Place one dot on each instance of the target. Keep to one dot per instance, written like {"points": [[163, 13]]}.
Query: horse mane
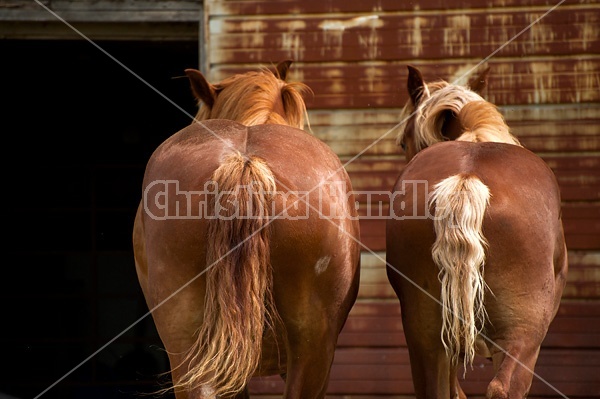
{"points": [[252, 98], [481, 120]]}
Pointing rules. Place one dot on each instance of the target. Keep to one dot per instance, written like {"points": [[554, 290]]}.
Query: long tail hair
{"points": [[239, 302], [459, 252]]}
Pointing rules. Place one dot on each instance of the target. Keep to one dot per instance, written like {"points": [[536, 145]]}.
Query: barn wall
{"points": [[353, 54], [170, 20]]}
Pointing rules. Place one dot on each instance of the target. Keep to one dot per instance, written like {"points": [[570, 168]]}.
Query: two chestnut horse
{"points": [[244, 242], [475, 247]]}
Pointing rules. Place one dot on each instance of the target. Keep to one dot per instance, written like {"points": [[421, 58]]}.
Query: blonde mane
{"points": [[480, 120], [258, 97]]}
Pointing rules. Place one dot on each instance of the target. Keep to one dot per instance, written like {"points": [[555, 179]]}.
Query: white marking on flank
{"points": [[322, 264]]}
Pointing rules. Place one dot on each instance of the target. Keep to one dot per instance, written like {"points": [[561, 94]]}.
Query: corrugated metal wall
{"points": [[545, 76]]}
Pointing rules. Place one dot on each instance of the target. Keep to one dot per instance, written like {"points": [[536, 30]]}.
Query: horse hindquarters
{"points": [[316, 284], [139, 250], [525, 262], [526, 274], [238, 283]]}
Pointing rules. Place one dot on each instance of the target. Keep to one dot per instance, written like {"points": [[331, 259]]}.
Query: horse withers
{"points": [[245, 242], [475, 245]]}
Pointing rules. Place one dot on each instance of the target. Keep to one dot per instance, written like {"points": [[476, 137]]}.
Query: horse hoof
{"points": [[496, 390]]}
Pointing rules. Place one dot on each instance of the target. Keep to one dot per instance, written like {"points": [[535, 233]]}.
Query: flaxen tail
{"points": [[239, 300], [459, 251]]}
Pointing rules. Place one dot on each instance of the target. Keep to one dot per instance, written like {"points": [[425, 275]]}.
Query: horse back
{"points": [[520, 182]]}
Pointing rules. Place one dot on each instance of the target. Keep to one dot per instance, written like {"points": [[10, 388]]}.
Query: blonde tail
{"points": [[238, 302], [459, 252]]}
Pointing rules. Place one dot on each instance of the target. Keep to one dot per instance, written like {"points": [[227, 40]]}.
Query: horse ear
{"points": [[479, 83], [282, 69], [415, 84], [201, 88]]}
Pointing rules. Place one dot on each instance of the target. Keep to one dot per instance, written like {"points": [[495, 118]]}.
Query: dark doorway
{"points": [[77, 130]]}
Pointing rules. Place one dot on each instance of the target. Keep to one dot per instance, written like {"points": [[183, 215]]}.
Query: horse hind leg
{"points": [[310, 358], [514, 371], [310, 342], [456, 391]]}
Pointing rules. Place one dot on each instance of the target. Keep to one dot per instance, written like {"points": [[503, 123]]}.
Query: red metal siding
{"points": [[353, 54]]}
